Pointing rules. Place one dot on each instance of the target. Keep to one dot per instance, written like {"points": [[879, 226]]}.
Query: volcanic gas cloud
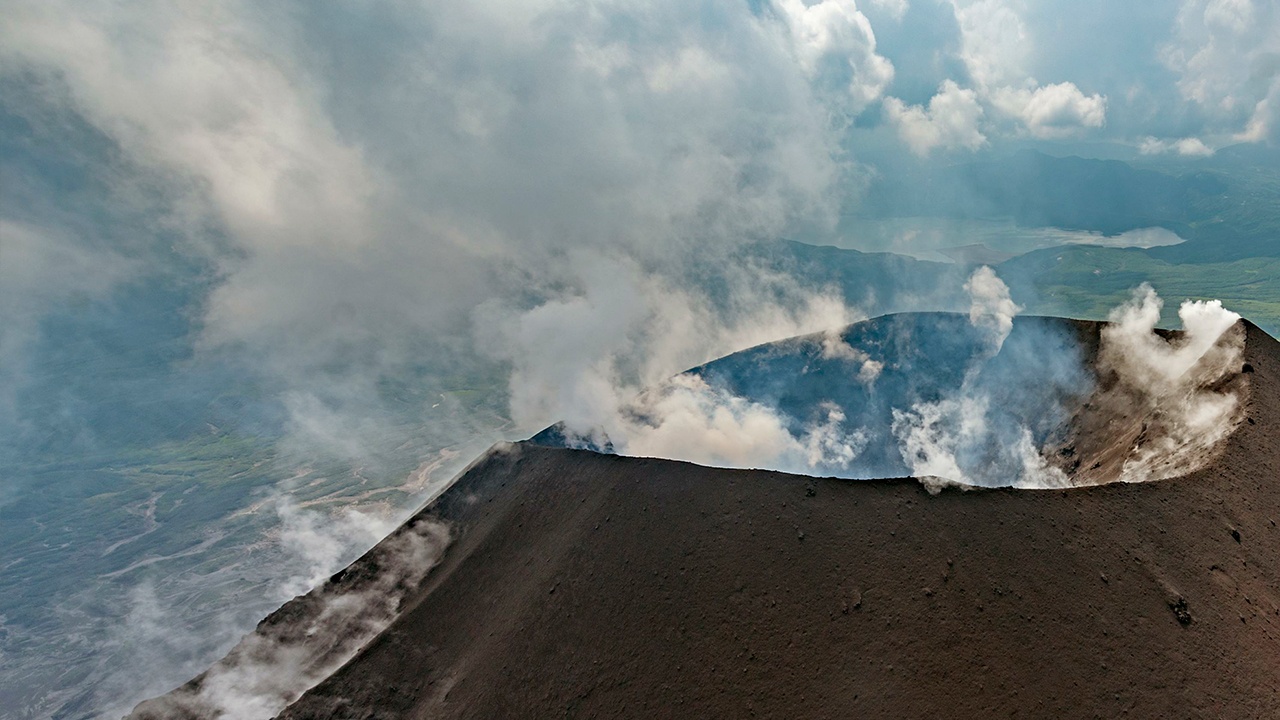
{"points": [[985, 399]]}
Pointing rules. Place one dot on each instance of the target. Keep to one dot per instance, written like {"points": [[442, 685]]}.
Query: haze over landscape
{"points": [[273, 275]]}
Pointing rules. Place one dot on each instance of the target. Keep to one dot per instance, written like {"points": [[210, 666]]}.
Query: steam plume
{"points": [[1017, 418], [990, 307], [1163, 406], [310, 637], [586, 359], [1175, 384], [957, 438]]}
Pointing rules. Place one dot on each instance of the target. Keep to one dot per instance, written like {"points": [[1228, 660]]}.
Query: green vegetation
{"points": [[1088, 281]]}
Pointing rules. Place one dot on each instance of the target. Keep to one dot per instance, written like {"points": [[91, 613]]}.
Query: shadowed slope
{"points": [[588, 585]]}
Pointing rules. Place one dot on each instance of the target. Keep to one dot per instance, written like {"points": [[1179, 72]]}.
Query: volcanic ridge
{"points": [[560, 582]]}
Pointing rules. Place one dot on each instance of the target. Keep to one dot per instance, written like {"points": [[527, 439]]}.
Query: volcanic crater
{"points": [[560, 582]]}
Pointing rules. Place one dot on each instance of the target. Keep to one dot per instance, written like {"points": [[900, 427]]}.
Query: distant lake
{"points": [[989, 240]]}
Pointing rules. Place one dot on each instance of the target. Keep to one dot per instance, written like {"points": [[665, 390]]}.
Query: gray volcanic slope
{"points": [[587, 585]]}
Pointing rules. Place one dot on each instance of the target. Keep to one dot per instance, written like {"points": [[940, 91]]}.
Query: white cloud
{"points": [[950, 121], [1225, 53], [996, 47], [1186, 147], [1262, 123], [993, 41], [836, 45], [893, 8], [1233, 15], [1051, 111]]}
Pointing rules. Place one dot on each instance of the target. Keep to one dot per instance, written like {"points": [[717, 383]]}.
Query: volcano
{"points": [[559, 582]]}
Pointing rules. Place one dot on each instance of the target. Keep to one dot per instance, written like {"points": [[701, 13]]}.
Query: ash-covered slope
{"points": [[589, 585]]}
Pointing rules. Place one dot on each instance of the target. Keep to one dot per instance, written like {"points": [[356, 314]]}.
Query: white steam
{"points": [[688, 419], [310, 637], [1160, 366], [321, 541], [956, 438], [990, 307], [353, 184], [1163, 416], [586, 358], [932, 434], [835, 348], [1174, 381]]}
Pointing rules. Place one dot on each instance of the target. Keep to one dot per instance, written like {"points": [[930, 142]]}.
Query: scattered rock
{"points": [[1181, 611], [1235, 534]]}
